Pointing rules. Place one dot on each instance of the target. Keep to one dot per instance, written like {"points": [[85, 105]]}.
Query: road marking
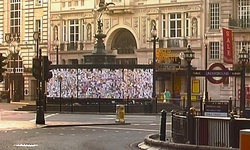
{"points": [[33, 120], [26, 145]]}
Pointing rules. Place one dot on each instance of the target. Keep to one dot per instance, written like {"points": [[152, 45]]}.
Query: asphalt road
{"points": [[99, 137]]}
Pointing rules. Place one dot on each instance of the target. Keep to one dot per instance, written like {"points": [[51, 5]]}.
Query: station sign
{"points": [[215, 73], [216, 109]]}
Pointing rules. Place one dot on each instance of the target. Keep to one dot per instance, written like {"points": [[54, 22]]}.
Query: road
{"points": [[98, 137]]}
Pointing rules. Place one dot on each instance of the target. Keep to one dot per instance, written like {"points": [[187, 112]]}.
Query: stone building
{"points": [[232, 15], [67, 29], [18, 21], [128, 26]]}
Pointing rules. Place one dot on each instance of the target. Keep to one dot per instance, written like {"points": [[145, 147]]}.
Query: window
{"points": [[38, 25], [164, 25], [82, 2], [244, 13], [175, 25], [214, 50], [214, 16], [186, 25], [73, 33], [69, 4], [15, 15], [239, 46], [64, 30], [83, 27]]}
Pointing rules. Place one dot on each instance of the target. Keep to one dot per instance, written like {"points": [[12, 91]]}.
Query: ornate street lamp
{"points": [[154, 34], [243, 59], [189, 56]]}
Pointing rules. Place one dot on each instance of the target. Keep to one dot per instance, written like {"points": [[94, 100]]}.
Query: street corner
{"points": [[12, 125]]}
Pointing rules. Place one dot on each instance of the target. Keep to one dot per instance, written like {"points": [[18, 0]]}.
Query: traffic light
{"points": [[2, 64], [46, 67], [36, 68]]}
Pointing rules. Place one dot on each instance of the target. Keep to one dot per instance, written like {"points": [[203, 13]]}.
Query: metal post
{"points": [[154, 72], [60, 95], [242, 92], [201, 105], [40, 112], [14, 76], [188, 86], [163, 125], [57, 55], [206, 92], [189, 117]]}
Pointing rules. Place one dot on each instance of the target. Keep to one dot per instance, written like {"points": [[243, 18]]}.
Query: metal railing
{"points": [[171, 43], [241, 23], [210, 131]]}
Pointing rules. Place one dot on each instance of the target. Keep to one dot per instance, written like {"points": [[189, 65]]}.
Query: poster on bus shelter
{"points": [[104, 83]]}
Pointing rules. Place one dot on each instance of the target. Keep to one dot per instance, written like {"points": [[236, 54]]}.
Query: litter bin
{"points": [[120, 112]]}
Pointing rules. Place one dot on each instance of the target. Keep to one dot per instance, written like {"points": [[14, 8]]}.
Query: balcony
{"points": [[177, 43], [239, 23], [71, 46]]}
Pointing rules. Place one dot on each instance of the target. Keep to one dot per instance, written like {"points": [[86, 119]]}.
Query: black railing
{"points": [[210, 131], [99, 105], [171, 43], [72, 46], [240, 23]]}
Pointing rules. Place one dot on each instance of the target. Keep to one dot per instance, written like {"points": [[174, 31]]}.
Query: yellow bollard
{"points": [[244, 139], [120, 112]]}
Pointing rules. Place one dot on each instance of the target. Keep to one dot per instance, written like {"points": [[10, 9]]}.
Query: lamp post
{"points": [[154, 34], [40, 111], [56, 42], [189, 56], [206, 92], [12, 40], [243, 59], [60, 94]]}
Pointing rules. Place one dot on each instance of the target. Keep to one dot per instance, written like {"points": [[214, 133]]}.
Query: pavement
{"points": [[12, 125]]}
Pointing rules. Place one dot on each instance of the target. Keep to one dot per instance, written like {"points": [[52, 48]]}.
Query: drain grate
{"points": [[26, 145]]}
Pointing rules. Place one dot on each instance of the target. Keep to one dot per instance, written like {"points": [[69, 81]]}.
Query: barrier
{"points": [[244, 139], [120, 112]]}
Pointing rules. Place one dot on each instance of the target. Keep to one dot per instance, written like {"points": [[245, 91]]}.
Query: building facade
{"points": [[67, 29], [128, 26], [19, 20]]}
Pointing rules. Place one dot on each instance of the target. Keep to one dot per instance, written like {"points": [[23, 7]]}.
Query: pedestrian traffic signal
{"points": [[2, 64], [36, 68], [46, 67]]}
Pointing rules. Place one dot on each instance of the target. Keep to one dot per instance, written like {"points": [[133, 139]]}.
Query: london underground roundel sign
{"points": [[217, 80]]}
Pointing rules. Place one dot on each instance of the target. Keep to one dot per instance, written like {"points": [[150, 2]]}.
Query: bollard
{"points": [[163, 125], [120, 114]]}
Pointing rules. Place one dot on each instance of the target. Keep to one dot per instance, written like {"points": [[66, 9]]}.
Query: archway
{"points": [[14, 80], [125, 43]]}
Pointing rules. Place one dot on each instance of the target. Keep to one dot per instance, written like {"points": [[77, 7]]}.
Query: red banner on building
{"points": [[228, 45]]}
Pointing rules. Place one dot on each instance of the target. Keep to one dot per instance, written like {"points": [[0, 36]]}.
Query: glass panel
{"points": [[172, 16], [178, 16], [179, 24], [172, 24], [172, 33]]}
